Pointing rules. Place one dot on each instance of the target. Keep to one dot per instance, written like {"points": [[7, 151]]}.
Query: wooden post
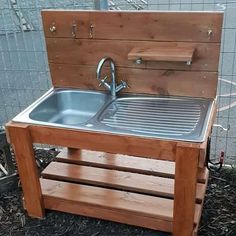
{"points": [[186, 168], [20, 139]]}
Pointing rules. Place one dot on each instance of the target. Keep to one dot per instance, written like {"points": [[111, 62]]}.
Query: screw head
{"points": [[139, 61]]}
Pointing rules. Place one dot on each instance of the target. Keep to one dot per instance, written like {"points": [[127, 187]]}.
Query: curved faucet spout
{"points": [[112, 87], [101, 63]]}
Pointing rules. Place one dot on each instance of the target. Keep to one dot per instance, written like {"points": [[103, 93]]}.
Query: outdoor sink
{"points": [[167, 117], [68, 107]]}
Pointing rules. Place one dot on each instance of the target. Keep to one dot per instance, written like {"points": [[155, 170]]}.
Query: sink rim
{"points": [[94, 125], [25, 114]]}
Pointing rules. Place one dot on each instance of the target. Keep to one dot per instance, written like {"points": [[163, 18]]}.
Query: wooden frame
{"points": [[105, 164], [39, 194]]}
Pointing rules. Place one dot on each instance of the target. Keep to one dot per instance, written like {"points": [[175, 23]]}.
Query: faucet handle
{"points": [[121, 86], [102, 81], [124, 84]]}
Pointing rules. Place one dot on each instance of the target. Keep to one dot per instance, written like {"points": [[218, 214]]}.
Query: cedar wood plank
{"points": [[164, 82], [123, 162], [19, 137], [89, 52], [132, 208], [133, 182], [157, 26], [186, 167]]}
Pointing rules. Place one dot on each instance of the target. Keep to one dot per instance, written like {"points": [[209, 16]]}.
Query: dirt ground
{"points": [[219, 215]]}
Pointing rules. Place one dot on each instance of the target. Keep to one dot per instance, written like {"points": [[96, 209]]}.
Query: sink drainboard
{"points": [[153, 116]]}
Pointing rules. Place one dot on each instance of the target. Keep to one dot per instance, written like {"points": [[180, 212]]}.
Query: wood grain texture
{"points": [[123, 163], [102, 203], [73, 57], [87, 200], [164, 82], [115, 179], [108, 198], [196, 227], [123, 144], [54, 201], [22, 144], [89, 52], [157, 26], [185, 190]]}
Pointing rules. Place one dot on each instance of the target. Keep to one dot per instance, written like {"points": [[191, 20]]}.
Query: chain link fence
{"points": [[24, 73]]}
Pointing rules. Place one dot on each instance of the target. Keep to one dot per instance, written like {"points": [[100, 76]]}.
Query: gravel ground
{"points": [[219, 215]]}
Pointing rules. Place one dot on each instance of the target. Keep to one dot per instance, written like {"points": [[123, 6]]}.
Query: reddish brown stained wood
{"points": [[21, 141], [115, 37], [132, 182], [107, 198], [63, 21], [180, 54], [123, 144], [164, 82], [117, 162], [74, 207], [185, 190], [64, 202], [89, 52], [198, 220], [118, 35], [120, 206], [122, 162], [158, 26]]}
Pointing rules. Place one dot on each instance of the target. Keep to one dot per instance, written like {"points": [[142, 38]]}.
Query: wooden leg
{"points": [[21, 141], [185, 190]]}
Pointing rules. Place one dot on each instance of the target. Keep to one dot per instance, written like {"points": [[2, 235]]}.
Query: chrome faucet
{"points": [[112, 87]]}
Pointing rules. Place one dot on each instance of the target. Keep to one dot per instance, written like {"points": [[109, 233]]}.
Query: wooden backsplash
{"points": [[77, 40]]}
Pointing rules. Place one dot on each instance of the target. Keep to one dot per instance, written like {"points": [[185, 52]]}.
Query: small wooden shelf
{"points": [[115, 187], [171, 54]]}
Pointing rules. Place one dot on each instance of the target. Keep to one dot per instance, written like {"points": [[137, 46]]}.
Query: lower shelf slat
{"points": [[123, 163], [154, 185], [120, 206], [125, 189]]}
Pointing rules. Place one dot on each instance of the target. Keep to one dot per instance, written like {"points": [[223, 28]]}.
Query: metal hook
{"points": [[91, 33], [74, 28], [53, 28], [209, 33]]}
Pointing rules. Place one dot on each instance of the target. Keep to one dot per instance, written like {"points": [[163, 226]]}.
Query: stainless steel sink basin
{"points": [[68, 107], [166, 117]]}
